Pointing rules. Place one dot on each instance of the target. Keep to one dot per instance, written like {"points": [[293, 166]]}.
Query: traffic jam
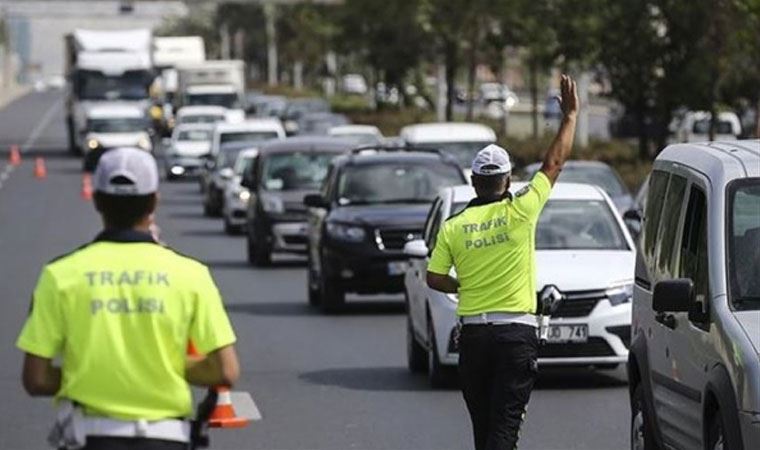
{"points": [[660, 285]]}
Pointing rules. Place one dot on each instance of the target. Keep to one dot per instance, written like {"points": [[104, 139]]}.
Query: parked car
{"points": [[236, 196], [361, 134], [583, 253], [460, 140], [217, 173], [592, 172], [694, 126], [298, 107], [185, 150], [279, 178], [693, 367], [370, 205], [319, 123]]}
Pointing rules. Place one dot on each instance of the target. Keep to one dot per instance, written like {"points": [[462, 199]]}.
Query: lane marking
{"points": [[33, 136]]}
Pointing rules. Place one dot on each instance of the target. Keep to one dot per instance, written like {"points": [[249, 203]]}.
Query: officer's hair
{"points": [[124, 211], [487, 185]]}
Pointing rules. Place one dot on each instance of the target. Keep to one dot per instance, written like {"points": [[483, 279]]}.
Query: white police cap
{"points": [[492, 160], [126, 171]]}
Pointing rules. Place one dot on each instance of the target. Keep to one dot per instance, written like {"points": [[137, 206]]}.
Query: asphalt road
{"points": [[322, 382]]}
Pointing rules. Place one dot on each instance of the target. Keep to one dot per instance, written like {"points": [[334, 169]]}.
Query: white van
{"points": [[251, 131], [459, 139], [693, 364], [694, 126]]}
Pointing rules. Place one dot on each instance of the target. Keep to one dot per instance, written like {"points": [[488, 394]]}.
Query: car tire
{"points": [[312, 285], [333, 298], [439, 375], [642, 437], [416, 355], [717, 437], [258, 255]]}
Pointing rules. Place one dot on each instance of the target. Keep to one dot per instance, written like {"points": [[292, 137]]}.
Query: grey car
{"points": [[693, 364]]}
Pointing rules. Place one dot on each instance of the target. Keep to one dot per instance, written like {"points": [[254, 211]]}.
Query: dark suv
{"points": [[281, 175], [371, 204]]}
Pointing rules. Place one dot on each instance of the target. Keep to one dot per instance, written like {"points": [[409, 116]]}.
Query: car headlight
{"points": [[92, 144], [144, 143], [618, 295], [272, 204], [344, 232], [244, 195]]}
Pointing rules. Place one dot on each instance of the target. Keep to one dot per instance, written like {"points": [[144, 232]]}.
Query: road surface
{"points": [[321, 382]]}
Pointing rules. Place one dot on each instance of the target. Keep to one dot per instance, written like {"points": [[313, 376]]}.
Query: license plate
{"points": [[397, 267], [567, 333]]}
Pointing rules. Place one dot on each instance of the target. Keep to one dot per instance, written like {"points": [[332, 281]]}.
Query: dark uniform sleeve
{"points": [[43, 334], [211, 328]]}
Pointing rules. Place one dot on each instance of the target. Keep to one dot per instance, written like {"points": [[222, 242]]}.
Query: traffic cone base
{"points": [[86, 187]]}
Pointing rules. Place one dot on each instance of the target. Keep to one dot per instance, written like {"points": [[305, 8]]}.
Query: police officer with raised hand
{"points": [[119, 313], [491, 245]]}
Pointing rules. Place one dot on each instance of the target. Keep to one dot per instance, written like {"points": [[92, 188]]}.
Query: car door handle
{"points": [[669, 320]]}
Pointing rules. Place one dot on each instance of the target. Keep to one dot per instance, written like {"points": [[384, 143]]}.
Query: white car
{"points": [[236, 196], [200, 114], [363, 134], [251, 131], [111, 125], [186, 148], [459, 139], [584, 253]]}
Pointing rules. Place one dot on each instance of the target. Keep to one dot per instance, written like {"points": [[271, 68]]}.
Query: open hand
{"points": [[568, 98]]}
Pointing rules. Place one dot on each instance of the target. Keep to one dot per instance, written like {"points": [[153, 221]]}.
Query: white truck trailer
{"points": [[213, 83], [105, 66]]}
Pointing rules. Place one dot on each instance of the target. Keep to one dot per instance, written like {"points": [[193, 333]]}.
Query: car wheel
{"points": [[416, 355], [312, 285], [641, 434], [716, 435], [333, 298], [438, 374], [258, 254]]}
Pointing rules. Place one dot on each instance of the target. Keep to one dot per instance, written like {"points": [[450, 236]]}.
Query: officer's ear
{"points": [[153, 202]]}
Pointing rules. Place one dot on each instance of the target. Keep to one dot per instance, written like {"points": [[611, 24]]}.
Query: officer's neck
{"points": [[143, 226]]}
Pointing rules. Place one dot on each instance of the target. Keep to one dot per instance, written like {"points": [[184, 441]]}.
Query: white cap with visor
{"points": [[126, 171], [492, 160]]}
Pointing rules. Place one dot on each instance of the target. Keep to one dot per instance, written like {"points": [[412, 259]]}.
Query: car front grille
{"points": [[578, 303], [595, 346], [395, 239]]}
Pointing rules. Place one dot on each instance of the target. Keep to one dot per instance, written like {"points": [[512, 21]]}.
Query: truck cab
{"points": [[113, 125]]}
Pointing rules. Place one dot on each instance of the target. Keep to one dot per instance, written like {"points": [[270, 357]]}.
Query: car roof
{"points": [[195, 126], [560, 191], [248, 153], [115, 110], [201, 110], [354, 129], [383, 156], [447, 132], [720, 161], [262, 124], [533, 167], [309, 143]]}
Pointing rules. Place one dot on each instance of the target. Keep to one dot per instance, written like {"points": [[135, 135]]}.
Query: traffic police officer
{"points": [[491, 245], [120, 312]]}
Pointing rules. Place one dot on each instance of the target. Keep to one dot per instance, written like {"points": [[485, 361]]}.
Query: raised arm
{"points": [[560, 148]]}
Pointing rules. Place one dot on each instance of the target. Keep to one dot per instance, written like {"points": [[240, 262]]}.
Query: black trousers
{"points": [[497, 369], [118, 443]]}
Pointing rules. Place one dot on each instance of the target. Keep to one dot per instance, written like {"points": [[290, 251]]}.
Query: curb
{"points": [[13, 93]]}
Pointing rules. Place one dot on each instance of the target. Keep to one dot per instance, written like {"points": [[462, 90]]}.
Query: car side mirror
{"points": [[316, 201], [673, 295], [633, 221], [416, 249]]}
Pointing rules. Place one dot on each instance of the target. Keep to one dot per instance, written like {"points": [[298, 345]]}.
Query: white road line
{"points": [[33, 136]]}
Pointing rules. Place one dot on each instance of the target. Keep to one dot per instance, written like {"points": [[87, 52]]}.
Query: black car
{"points": [[370, 206], [297, 108], [281, 175]]}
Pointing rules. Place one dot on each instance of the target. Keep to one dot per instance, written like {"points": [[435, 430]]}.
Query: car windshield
{"points": [[202, 118], [227, 157], [744, 243], [578, 225], [194, 135], [96, 86], [601, 176], [296, 109], [243, 163], [226, 100], [246, 136], [296, 171], [121, 125], [463, 152], [397, 182], [703, 127]]}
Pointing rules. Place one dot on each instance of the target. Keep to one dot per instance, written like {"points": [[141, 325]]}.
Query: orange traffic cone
{"points": [[223, 415], [40, 171], [86, 187], [15, 157]]}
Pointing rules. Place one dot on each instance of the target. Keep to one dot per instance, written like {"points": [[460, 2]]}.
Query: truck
{"points": [[213, 83], [169, 53], [105, 66]]}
